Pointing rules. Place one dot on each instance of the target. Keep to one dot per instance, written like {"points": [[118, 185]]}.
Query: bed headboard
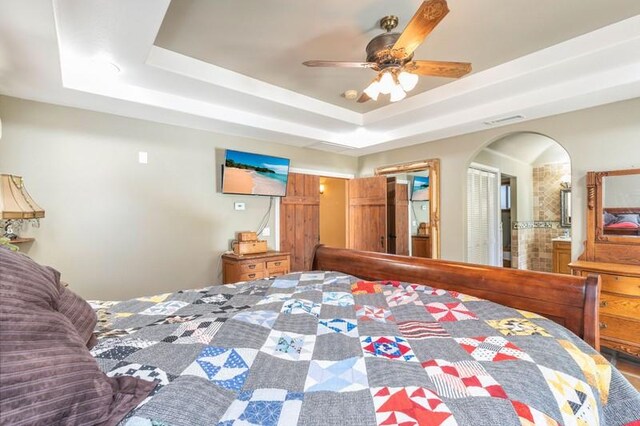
{"points": [[568, 300]]}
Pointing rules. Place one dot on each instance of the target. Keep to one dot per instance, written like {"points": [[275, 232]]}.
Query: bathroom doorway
{"points": [[532, 170]]}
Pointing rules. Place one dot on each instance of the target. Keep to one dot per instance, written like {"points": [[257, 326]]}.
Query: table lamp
{"points": [[16, 205]]}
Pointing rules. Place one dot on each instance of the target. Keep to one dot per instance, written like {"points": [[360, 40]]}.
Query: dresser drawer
{"points": [[250, 276], [619, 328], [624, 306], [278, 265], [247, 268], [620, 284]]}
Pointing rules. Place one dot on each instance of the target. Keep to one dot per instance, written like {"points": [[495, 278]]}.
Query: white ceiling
{"points": [[269, 40], [529, 60]]}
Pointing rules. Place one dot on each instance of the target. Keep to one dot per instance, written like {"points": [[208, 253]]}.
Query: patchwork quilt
{"points": [[323, 348]]}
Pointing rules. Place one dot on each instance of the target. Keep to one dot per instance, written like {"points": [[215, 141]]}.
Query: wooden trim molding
{"points": [[570, 301]]}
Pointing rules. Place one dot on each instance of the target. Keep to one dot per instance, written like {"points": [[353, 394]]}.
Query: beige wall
{"points": [[333, 212], [523, 173], [116, 228], [601, 138]]}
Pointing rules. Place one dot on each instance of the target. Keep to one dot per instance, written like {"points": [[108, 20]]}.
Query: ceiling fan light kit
{"points": [[407, 80], [397, 94], [391, 55]]}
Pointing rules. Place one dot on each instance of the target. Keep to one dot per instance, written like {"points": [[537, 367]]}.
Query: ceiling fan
{"points": [[391, 55]]}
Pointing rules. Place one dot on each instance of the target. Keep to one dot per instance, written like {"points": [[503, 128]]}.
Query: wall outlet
{"points": [[266, 232], [239, 206], [424, 207], [414, 223]]}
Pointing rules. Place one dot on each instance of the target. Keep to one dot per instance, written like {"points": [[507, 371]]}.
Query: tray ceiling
{"points": [[269, 40], [235, 67]]}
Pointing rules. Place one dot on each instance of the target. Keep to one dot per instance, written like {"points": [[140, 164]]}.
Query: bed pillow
{"points": [[48, 375], [629, 217], [609, 218], [624, 225], [80, 313]]}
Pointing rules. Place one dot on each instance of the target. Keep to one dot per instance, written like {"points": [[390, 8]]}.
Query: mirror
{"points": [[621, 204], [614, 198], [413, 203], [565, 208]]}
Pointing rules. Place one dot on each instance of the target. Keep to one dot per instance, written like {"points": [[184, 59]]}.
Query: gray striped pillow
{"points": [[47, 375], [79, 312]]}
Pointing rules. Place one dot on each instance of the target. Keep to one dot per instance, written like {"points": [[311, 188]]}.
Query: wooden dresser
{"points": [[250, 267], [561, 256], [421, 246], [619, 303]]}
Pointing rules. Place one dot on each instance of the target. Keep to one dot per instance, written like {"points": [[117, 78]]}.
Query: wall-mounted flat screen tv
{"points": [[420, 188], [254, 174]]}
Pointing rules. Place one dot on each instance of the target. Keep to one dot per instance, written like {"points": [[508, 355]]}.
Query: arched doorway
{"points": [[518, 208]]}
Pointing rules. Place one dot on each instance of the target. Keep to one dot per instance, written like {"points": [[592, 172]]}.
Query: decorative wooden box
{"points": [[250, 247]]}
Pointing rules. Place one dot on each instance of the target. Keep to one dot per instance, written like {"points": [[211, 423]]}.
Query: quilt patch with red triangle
{"points": [[409, 406]]}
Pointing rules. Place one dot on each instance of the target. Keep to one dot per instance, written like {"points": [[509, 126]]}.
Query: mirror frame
{"points": [[600, 207], [433, 165], [565, 214], [600, 247]]}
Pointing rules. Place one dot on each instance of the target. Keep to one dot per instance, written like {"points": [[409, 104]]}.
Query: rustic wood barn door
{"points": [[367, 214], [398, 217], [300, 219]]}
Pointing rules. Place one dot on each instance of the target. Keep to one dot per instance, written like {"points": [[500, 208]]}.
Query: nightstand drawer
{"points": [[278, 265], [250, 276], [276, 273], [611, 304], [248, 268], [621, 284]]}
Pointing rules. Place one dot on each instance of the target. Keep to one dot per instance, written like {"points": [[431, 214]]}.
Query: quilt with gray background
{"points": [[323, 348]]}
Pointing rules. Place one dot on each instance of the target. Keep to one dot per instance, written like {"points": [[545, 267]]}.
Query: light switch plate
{"points": [[239, 206], [266, 232], [142, 157]]}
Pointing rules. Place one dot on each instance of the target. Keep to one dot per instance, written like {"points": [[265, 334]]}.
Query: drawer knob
{"points": [[252, 266], [277, 263], [252, 275], [603, 304], [603, 325]]}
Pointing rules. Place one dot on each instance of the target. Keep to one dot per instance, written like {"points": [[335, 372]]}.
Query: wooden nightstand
{"points": [[250, 267]]}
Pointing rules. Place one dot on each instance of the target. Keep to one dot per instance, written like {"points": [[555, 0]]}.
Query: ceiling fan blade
{"points": [[363, 98], [429, 14], [439, 68], [340, 64]]}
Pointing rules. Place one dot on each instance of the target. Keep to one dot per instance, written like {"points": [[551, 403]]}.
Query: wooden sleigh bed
{"points": [[568, 300], [363, 339]]}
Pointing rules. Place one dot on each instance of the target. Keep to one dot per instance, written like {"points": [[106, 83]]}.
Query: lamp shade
{"points": [[397, 94], [407, 80], [15, 201], [373, 90]]}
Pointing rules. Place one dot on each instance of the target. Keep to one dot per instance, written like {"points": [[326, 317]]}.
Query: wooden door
{"points": [[401, 213], [367, 214], [397, 217], [300, 220]]}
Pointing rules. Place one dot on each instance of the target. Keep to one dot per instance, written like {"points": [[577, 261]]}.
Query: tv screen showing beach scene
{"points": [[254, 174], [420, 188]]}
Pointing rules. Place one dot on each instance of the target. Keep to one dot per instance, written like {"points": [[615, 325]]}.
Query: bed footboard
{"points": [[568, 300]]}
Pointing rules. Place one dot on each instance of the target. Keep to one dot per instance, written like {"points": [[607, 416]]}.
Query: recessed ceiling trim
{"points": [[193, 68], [593, 69]]}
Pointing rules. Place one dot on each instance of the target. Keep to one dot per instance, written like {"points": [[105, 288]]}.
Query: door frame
{"points": [[322, 173], [498, 218]]}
